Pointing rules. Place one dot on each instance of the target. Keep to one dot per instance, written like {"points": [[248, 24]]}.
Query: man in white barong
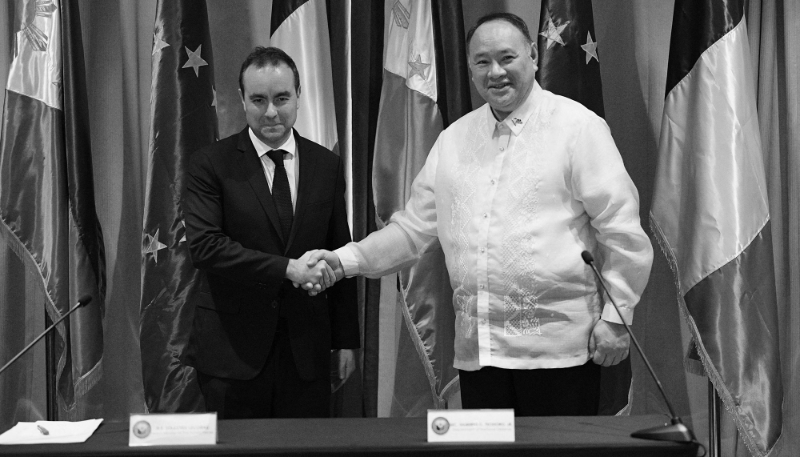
{"points": [[514, 191]]}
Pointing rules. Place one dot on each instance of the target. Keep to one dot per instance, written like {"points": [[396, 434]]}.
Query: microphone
{"points": [[85, 300], [675, 431]]}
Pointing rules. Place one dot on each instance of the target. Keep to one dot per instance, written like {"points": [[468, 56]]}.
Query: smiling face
{"points": [[503, 65], [270, 102]]}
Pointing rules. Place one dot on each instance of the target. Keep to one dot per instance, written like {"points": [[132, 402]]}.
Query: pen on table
{"points": [[42, 430]]}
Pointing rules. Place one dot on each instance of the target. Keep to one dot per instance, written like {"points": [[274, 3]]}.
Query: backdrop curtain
{"points": [[774, 34], [633, 46]]}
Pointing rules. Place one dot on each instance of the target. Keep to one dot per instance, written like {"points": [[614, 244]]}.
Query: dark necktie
{"points": [[281, 193]]}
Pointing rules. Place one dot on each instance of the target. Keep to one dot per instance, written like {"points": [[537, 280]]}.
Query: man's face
{"points": [[270, 102], [503, 66]]}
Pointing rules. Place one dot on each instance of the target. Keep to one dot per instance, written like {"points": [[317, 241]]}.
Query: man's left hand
{"points": [[346, 363], [609, 343]]}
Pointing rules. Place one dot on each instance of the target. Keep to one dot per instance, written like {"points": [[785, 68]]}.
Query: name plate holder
{"points": [[172, 429], [470, 425]]}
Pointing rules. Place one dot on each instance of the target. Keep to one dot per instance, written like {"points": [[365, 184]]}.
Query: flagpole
{"points": [[714, 446], [50, 370]]}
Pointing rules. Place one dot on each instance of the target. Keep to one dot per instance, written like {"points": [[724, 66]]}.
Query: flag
{"points": [[710, 214], [366, 55], [300, 28], [410, 118], [183, 119], [47, 204], [569, 65]]}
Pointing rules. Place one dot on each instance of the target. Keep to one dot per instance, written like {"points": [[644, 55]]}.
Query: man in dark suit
{"points": [[255, 202]]}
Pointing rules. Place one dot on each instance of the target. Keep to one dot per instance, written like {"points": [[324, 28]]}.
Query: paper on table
{"points": [[57, 432]]}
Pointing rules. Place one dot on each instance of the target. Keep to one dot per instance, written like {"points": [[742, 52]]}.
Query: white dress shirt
{"points": [[514, 203], [290, 161]]}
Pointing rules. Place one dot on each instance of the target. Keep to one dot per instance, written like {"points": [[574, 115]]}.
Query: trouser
{"points": [[277, 391], [573, 391]]}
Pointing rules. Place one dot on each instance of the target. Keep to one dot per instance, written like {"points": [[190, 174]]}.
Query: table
{"points": [[535, 436]]}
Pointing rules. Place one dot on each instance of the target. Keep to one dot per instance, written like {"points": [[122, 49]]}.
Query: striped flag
{"points": [[183, 119], [47, 205], [300, 28], [710, 214], [569, 65], [413, 111]]}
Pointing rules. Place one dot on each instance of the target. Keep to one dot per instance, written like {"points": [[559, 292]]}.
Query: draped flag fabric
{"points": [[569, 65], [409, 121], [47, 202], [300, 28], [365, 46], [183, 119], [710, 214]]}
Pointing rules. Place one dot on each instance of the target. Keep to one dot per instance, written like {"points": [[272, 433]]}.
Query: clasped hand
{"points": [[315, 271], [609, 343]]}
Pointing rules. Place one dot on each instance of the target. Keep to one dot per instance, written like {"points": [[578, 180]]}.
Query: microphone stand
{"points": [[81, 302], [675, 431]]}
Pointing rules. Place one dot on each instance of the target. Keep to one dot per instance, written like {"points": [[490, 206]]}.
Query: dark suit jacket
{"points": [[234, 236]]}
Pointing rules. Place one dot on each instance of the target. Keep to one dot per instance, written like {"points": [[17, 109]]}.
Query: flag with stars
{"points": [[569, 65], [424, 90], [50, 237], [710, 215], [183, 119], [569, 61]]}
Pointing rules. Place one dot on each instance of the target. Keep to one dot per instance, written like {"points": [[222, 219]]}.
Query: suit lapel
{"points": [[258, 181], [308, 168]]}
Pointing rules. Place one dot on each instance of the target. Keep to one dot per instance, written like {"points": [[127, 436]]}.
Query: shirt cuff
{"points": [[348, 261], [610, 314]]}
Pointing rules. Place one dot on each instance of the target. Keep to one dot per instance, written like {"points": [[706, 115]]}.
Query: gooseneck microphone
{"points": [[81, 302], [675, 431]]}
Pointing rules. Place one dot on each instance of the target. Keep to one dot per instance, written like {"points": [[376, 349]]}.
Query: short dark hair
{"points": [[512, 19], [262, 57]]}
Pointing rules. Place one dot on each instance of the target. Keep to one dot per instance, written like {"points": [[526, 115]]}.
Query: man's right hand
{"points": [[315, 276], [322, 256]]}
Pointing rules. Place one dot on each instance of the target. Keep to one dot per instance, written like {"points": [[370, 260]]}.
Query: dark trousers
{"points": [[276, 392], [573, 391]]}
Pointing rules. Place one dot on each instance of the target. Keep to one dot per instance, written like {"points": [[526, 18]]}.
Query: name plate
{"points": [[172, 429], [470, 425]]}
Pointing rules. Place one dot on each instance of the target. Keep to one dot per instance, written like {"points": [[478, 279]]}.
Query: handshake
{"points": [[315, 271]]}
